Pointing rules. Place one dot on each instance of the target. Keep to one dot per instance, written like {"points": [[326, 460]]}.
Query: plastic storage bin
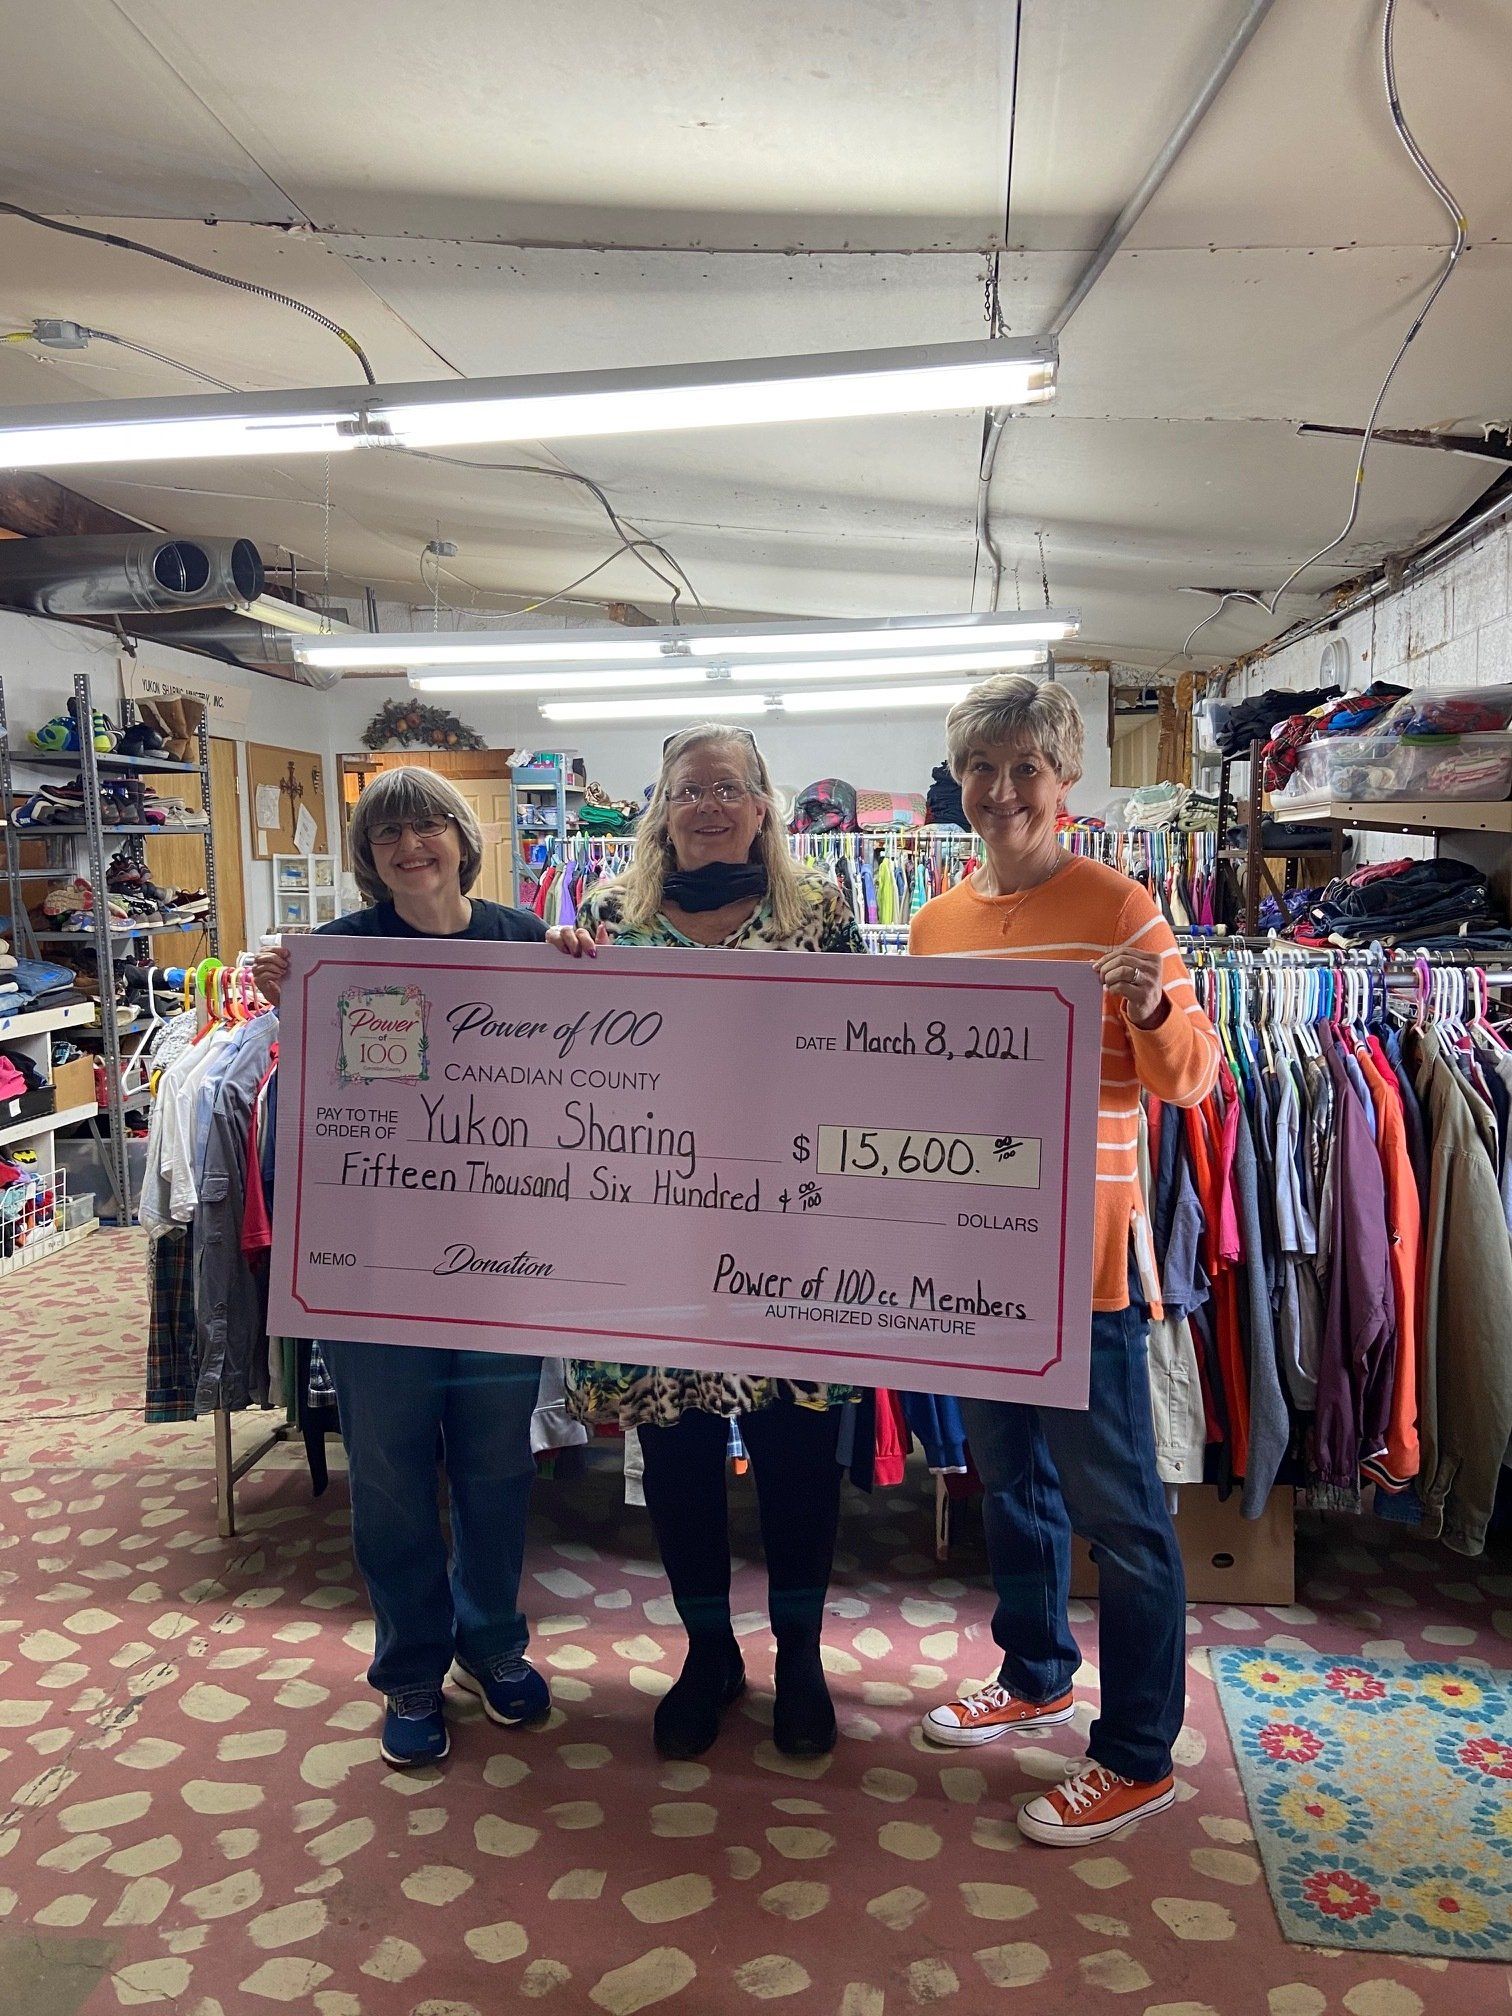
{"points": [[1381, 768]]}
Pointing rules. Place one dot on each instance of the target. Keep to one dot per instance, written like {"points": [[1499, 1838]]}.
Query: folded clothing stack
{"points": [[942, 807], [1156, 808], [1397, 900], [1357, 713], [1253, 720], [1152, 807], [604, 815]]}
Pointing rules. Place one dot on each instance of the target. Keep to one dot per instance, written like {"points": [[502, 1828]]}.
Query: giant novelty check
{"points": [[879, 1171]]}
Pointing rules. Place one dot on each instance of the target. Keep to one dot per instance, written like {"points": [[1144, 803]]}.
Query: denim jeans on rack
{"points": [[402, 1405], [1049, 1471]]}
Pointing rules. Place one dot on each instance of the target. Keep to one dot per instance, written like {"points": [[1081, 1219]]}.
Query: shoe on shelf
{"points": [[60, 736], [39, 810], [687, 1716], [1092, 1804], [143, 740], [803, 1719], [511, 1690], [414, 1728], [982, 1717]]}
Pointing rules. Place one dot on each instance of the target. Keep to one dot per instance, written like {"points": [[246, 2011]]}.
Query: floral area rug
{"points": [[1381, 1797]]}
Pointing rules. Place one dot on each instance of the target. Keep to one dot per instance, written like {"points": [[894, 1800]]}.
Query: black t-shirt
{"points": [[489, 920]]}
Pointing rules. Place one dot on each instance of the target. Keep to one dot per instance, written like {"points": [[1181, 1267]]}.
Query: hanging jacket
{"points": [[1465, 1413], [1359, 1332]]}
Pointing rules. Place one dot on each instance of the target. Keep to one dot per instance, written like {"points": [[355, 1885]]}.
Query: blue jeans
{"points": [[398, 1403], [1048, 1472]]}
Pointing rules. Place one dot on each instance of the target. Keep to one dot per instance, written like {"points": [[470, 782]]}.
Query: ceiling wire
{"points": [[1457, 217], [632, 538], [995, 419], [124, 343], [120, 244]]}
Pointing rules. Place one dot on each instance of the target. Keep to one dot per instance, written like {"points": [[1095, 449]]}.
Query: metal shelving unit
{"points": [[103, 938], [533, 781]]}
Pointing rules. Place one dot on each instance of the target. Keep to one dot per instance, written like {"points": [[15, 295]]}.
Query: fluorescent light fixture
{"points": [[943, 378], [293, 616], [729, 706], [564, 682], [666, 707], [897, 633], [885, 668], [604, 645], [545, 679], [107, 436], [859, 698], [549, 406]]}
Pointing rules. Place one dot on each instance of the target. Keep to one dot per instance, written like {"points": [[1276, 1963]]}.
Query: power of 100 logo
{"points": [[383, 1035]]}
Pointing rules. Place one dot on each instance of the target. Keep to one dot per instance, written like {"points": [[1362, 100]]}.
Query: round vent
{"points": [[1333, 666]]}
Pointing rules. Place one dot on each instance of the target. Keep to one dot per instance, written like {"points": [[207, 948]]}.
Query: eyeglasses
{"points": [[725, 794], [392, 831]]}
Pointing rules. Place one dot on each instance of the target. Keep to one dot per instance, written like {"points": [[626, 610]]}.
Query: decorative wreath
{"points": [[412, 725]]}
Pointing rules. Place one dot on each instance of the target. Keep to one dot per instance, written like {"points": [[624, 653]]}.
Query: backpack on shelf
{"points": [[826, 807]]}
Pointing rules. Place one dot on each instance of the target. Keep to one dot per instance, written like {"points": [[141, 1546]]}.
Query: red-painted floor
{"points": [[193, 1815]]}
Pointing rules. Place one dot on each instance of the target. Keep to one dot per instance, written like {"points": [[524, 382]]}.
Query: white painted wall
{"points": [[38, 660], [1451, 628], [873, 751]]}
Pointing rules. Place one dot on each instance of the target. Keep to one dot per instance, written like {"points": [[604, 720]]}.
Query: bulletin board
{"points": [[283, 783]]}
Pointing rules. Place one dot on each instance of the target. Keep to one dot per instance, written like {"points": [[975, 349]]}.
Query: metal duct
{"points": [[124, 574], [239, 641]]}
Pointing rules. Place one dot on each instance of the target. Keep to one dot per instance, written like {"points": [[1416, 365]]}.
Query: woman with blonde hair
{"points": [[1015, 744], [712, 869], [417, 849]]}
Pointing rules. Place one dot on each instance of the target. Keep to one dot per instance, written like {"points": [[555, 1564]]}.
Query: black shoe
{"points": [[687, 1715], [142, 739], [803, 1723]]}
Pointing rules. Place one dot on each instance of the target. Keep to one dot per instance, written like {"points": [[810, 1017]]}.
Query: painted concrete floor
{"points": [[193, 1816]]}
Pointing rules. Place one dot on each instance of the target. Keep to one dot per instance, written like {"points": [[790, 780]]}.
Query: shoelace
{"points": [[509, 1672], [1087, 1785], [415, 1706], [987, 1702]]}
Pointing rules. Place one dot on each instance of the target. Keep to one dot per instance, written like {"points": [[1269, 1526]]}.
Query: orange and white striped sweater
{"points": [[1083, 911]]}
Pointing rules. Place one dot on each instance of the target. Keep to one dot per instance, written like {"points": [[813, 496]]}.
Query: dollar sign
{"points": [[800, 1148]]}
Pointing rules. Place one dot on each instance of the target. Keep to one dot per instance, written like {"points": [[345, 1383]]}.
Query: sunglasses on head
{"points": [[735, 735]]}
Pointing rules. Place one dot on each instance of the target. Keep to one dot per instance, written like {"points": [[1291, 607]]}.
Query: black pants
{"points": [[792, 1451]]}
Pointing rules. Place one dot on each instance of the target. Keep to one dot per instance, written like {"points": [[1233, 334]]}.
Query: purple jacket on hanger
{"points": [[1359, 1324]]}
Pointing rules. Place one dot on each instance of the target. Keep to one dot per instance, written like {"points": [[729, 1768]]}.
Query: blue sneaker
{"points": [[511, 1690], [414, 1729]]}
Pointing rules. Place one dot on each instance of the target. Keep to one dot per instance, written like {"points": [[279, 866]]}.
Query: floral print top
{"points": [[639, 1396]]}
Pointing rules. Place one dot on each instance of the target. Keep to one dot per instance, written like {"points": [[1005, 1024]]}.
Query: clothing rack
{"points": [[217, 992]]}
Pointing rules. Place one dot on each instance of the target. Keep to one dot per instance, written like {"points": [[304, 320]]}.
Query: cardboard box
{"points": [[1228, 1559], [74, 1083]]}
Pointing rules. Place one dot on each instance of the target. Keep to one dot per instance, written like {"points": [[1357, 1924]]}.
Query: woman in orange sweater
{"points": [[1016, 746]]}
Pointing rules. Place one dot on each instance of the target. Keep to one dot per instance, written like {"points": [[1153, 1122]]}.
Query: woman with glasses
{"points": [[711, 870], [417, 850]]}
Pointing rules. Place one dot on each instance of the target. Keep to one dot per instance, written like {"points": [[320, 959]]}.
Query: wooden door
{"points": [[230, 886], [178, 861], [489, 798]]}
